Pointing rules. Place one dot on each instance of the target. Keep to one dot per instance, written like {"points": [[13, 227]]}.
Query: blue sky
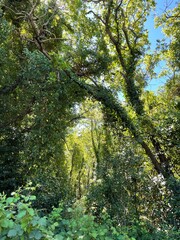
{"points": [[156, 33]]}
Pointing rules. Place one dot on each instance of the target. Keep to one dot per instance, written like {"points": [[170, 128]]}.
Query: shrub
{"points": [[19, 221]]}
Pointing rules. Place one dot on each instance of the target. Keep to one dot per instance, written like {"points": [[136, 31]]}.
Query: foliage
{"points": [[11, 168], [77, 120], [170, 21], [18, 220], [50, 189]]}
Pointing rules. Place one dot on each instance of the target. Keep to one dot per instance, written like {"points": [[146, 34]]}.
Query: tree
{"points": [[121, 25], [36, 100], [70, 51]]}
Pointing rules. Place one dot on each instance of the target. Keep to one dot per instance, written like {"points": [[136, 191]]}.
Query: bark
{"points": [[109, 101], [95, 148]]}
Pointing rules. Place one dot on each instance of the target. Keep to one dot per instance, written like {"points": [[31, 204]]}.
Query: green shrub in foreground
{"points": [[19, 221]]}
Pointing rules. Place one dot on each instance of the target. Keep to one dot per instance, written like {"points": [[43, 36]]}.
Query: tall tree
{"points": [[120, 24], [70, 50]]}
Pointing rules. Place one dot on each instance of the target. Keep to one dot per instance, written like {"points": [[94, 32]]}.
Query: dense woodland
{"points": [[86, 151]]}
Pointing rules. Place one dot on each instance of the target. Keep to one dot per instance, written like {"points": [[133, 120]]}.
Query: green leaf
{"points": [[36, 234], [4, 223], [35, 220], [9, 214], [121, 237], [9, 200], [3, 238], [30, 211], [12, 233], [108, 238], [94, 234], [42, 221], [102, 232], [21, 214], [59, 237], [32, 198]]}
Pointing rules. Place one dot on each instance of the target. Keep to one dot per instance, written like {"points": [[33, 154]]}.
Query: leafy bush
{"points": [[19, 221]]}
